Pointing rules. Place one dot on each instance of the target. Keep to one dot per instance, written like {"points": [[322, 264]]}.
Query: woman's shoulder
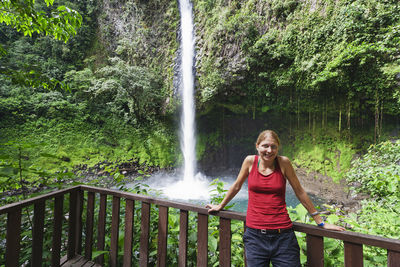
{"points": [[283, 160], [249, 159]]}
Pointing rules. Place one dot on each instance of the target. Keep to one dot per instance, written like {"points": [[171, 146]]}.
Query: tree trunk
{"points": [[323, 116], [348, 115], [376, 128], [381, 118], [313, 128], [298, 113], [340, 119], [254, 109]]}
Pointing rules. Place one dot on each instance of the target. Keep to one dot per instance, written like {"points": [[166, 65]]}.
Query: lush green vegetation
{"points": [[331, 61], [92, 83]]}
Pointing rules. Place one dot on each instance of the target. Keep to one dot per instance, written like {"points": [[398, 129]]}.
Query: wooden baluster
{"points": [[129, 213], [72, 224], [224, 242], [89, 226], [37, 233], [144, 235], [57, 230], [101, 228], [114, 231], [13, 238], [202, 240], [183, 238], [393, 259], [353, 255], [78, 246], [162, 236], [315, 251]]}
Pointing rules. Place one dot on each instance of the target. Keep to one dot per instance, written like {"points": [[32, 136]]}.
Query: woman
{"points": [[269, 235]]}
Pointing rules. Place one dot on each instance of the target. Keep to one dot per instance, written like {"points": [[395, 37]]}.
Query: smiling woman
{"points": [[269, 235]]}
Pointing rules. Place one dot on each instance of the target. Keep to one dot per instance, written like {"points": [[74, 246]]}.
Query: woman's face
{"points": [[268, 149]]}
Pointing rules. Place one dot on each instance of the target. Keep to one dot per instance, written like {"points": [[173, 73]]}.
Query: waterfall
{"points": [[190, 185], [188, 137]]}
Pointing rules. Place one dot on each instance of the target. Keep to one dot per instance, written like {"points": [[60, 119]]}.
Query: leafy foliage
{"points": [[378, 171], [61, 22]]}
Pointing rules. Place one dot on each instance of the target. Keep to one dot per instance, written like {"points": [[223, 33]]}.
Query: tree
{"points": [[61, 22], [25, 16]]}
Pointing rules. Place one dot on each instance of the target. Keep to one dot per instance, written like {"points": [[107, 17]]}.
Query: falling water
{"points": [[188, 138], [191, 185]]}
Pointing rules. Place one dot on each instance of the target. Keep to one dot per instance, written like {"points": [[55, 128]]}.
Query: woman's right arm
{"points": [[236, 186]]}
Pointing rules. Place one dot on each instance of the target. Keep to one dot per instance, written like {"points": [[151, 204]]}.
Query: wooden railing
{"points": [[65, 247]]}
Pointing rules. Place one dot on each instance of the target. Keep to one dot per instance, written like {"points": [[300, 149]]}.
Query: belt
{"points": [[274, 231]]}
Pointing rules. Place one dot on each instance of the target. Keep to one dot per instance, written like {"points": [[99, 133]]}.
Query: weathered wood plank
{"points": [[79, 203], [89, 225], [183, 238], [72, 224], [57, 230], [63, 260], [162, 236], [13, 237], [315, 251], [129, 213], [393, 259], [144, 235], [202, 240], [353, 255], [224, 242], [37, 233], [114, 232], [101, 228], [78, 261]]}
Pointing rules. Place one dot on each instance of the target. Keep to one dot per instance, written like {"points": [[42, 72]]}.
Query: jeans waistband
{"points": [[273, 231]]}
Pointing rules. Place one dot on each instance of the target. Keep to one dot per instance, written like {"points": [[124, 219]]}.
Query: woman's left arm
{"points": [[289, 172]]}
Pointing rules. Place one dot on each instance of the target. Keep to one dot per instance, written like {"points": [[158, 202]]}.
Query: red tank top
{"points": [[266, 208]]}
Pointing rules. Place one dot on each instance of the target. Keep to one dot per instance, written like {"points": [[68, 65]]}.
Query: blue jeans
{"points": [[281, 249]]}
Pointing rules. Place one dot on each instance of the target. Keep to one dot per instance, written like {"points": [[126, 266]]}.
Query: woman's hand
{"points": [[328, 226], [213, 208]]}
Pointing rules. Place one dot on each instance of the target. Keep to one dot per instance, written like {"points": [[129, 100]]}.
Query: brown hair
{"points": [[268, 133]]}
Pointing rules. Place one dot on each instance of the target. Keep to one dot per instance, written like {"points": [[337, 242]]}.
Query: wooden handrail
{"points": [[353, 242]]}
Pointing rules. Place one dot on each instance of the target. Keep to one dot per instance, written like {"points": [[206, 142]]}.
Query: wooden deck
{"points": [[72, 236], [78, 261]]}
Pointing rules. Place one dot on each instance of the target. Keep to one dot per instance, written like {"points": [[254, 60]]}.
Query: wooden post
{"points": [[202, 240], [57, 230], [224, 242], [353, 255], [144, 235], [101, 228], [162, 236], [89, 226], [129, 213], [183, 238], [393, 258], [13, 237], [37, 234], [114, 232], [315, 251]]}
